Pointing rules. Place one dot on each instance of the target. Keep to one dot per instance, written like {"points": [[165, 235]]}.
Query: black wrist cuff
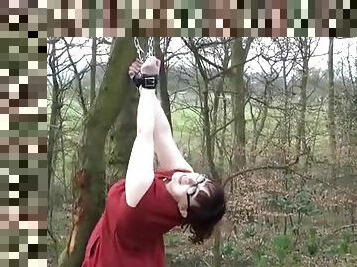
{"points": [[146, 81]]}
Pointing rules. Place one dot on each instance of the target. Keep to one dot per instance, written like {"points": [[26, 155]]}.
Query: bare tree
{"points": [[89, 179], [163, 93], [331, 111], [240, 51], [93, 68], [123, 135], [78, 77], [55, 106], [205, 107]]}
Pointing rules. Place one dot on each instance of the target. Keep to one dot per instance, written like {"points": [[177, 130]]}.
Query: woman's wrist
{"points": [[146, 81], [146, 91]]}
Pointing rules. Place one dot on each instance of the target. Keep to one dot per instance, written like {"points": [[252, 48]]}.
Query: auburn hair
{"points": [[201, 219]]}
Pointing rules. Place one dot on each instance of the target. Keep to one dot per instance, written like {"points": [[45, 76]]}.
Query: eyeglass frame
{"points": [[199, 181]]}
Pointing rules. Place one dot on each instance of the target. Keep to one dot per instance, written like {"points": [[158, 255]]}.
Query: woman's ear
{"points": [[183, 211]]}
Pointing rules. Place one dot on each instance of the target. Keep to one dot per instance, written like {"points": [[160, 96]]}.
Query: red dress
{"points": [[133, 237]]}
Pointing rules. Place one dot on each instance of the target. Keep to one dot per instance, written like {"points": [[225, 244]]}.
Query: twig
{"points": [[344, 227], [206, 262], [273, 167]]}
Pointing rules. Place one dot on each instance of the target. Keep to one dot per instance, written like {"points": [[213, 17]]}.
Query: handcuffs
{"points": [[146, 81]]}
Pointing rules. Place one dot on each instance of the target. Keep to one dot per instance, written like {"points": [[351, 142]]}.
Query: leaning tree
{"points": [[89, 175]]}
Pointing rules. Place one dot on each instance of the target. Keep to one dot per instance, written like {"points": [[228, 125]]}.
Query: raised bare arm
{"points": [[140, 173]]}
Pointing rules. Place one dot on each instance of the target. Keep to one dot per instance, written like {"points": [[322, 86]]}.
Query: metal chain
{"points": [[140, 51], [151, 46]]}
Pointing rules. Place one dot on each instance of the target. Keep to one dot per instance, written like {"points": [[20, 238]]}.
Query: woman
{"points": [[148, 203]]}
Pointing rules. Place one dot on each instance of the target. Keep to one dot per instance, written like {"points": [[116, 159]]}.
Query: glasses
{"points": [[193, 188]]}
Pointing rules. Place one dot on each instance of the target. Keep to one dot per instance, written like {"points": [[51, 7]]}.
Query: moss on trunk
{"points": [[89, 180]]}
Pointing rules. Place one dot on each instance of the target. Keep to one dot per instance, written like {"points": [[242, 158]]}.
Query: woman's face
{"points": [[183, 182]]}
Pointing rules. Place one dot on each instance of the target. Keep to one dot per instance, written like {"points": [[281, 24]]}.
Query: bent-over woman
{"points": [[148, 203]]}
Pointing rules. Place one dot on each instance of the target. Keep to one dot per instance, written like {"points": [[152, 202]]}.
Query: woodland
{"points": [[274, 120]]}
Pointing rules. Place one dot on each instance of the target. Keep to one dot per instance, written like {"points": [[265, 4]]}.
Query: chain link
{"points": [[151, 46], [140, 51]]}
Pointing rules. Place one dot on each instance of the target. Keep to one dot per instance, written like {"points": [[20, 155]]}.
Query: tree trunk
{"points": [[89, 180], [124, 135], [163, 93], [221, 148], [258, 124], [206, 119], [331, 112], [217, 95], [217, 247], [238, 104], [82, 99], [63, 158], [301, 129], [93, 69], [287, 114], [238, 58], [208, 140], [55, 112]]}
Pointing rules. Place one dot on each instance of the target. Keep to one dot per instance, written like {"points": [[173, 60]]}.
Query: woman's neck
{"points": [[168, 185]]}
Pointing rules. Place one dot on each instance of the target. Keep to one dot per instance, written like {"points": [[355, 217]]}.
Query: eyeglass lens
{"points": [[193, 188]]}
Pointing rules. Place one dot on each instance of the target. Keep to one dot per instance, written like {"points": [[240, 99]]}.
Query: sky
{"points": [[318, 62]]}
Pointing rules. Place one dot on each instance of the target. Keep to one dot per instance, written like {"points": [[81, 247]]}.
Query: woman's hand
{"points": [[135, 68], [151, 66]]}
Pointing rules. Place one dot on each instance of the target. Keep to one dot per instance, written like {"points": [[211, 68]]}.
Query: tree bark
{"points": [[89, 180], [221, 148], [217, 95], [217, 247], [55, 112], [163, 93], [205, 113], [287, 113], [93, 69], [205, 110], [124, 135], [79, 80], [331, 111], [238, 58], [301, 147], [258, 126]]}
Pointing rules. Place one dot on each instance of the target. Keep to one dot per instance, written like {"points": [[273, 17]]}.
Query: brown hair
{"points": [[201, 219]]}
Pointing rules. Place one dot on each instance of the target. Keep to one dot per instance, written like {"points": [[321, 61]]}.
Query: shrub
{"points": [[312, 243], [282, 246]]}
